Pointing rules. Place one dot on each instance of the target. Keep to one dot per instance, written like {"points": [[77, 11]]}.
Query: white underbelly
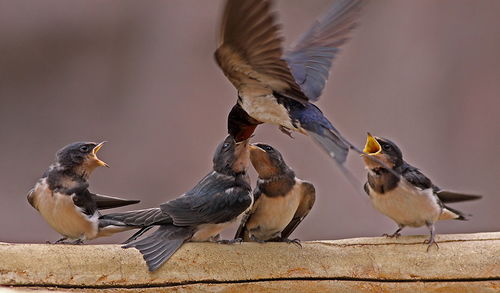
{"points": [[266, 109], [208, 232], [272, 214], [62, 215], [407, 205]]}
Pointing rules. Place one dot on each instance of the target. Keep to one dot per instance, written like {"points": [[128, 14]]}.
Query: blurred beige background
{"points": [[141, 75]]}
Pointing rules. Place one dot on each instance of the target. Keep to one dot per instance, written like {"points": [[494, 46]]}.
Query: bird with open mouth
{"points": [[63, 199], [410, 199], [279, 87], [281, 200]]}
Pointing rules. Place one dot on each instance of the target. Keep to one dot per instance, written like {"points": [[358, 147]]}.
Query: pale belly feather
{"points": [[272, 214], [266, 109], [61, 214], [407, 205]]}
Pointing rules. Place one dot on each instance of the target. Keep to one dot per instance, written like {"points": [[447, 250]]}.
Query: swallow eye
{"points": [[387, 147], [226, 145], [84, 149], [268, 148]]}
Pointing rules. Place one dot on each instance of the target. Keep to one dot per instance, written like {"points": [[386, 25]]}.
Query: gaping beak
{"points": [[94, 154], [372, 147]]}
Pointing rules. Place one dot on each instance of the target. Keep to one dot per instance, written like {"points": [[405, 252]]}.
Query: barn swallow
{"points": [[63, 199], [410, 199], [281, 200], [276, 87], [200, 214]]}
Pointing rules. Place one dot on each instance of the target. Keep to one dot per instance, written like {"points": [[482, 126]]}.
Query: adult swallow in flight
{"points": [[63, 199], [281, 200], [200, 214], [276, 87], [410, 199]]}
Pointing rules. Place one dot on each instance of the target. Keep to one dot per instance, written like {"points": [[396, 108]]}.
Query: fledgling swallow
{"points": [[281, 200], [200, 214], [279, 87], [63, 199], [410, 199]]}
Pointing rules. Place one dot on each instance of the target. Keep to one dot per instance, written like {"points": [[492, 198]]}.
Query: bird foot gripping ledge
{"points": [[463, 263]]}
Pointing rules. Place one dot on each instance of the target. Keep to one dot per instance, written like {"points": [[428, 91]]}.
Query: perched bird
{"points": [[410, 199], [276, 87], [281, 201], [63, 199], [198, 215]]}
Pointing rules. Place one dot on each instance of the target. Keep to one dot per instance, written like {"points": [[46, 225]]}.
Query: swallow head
{"points": [[80, 156], [231, 157], [267, 161], [384, 150]]}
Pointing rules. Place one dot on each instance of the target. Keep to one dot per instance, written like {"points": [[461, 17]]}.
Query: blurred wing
{"points": [[311, 58], [250, 51]]}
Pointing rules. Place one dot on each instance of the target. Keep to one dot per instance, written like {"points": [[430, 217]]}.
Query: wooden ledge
{"points": [[463, 263]]}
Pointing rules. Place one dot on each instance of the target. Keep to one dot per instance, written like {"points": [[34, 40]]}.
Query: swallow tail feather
{"points": [[161, 244], [321, 130]]}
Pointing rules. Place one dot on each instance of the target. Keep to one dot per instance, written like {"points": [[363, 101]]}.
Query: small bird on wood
{"points": [[215, 202], [281, 200], [410, 199], [279, 87], [64, 201]]}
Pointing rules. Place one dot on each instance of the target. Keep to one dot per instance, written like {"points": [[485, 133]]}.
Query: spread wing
{"points": [[306, 204], [250, 51], [311, 58], [217, 200]]}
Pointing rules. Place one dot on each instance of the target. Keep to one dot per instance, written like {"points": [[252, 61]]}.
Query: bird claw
{"points": [[286, 131], [62, 241], [430, 243], [295, 241], [393, 235], [229, 241], [253, 238]]}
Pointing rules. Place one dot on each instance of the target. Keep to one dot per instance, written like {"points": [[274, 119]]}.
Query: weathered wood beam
{"points": [[463, 263]]}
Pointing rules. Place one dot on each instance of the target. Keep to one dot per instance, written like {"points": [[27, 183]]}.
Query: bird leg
{"points": [[229, 241], [59, 241], [63, 241], [431, 241], [286, 131], [77, 242], [395, 234], [255, 239]]}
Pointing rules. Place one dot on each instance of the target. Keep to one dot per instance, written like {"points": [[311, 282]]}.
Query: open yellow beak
{"points": [[94, 154], [372, 147]]}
